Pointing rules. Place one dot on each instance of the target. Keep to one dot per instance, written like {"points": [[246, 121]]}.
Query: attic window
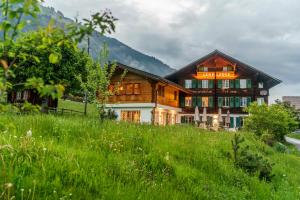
{"points": [[260, 85]]}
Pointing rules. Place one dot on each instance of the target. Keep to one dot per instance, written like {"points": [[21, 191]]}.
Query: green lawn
{"points": [[294, 135], [81, 158], [78, 106]]}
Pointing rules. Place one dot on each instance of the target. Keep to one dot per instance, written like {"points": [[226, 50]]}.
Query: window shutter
{"points": [[220, 102], [199, 83], [237, 83], [237, 102], [194, 101], [199, 101], [211, 83], [231, 102], [220, 84], [248, 101], [194, 83], [182, 101], [231, 122], [231, 83], [211, 102], [249, 83]]}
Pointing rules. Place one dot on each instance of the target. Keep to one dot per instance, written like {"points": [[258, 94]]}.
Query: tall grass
{"points": [[81, 158]]}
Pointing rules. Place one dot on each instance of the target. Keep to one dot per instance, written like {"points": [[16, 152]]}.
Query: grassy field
{"points": [[81, 158], [78, 106]]}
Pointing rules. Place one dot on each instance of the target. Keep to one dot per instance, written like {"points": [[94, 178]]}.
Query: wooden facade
{"points": [[215, 82]]}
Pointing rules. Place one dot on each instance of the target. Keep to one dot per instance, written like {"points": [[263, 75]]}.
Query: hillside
{"points": [[118, 51], [81, 158]]}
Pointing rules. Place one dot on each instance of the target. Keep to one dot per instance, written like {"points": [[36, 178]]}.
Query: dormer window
{"points": [[260, 85]]}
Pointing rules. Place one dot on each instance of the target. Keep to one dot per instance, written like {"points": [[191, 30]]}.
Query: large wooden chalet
{"points": [[216, 81]]}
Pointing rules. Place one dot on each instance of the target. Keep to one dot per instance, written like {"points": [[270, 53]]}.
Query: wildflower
{"points": [[167, 157], [22, 189], [44, 149], [70, 194], [29, 133], [15, 136], [8, 185], [54, 191]]}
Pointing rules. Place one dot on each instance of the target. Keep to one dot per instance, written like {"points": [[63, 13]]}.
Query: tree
{"points": [[291, 109], [98, 80], [274, 119], [58, 62]]}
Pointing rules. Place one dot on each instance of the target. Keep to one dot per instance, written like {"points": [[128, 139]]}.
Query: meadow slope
{"points": [[81, 158]]}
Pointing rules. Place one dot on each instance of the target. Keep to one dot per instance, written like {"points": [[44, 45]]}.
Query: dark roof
{"points": [[272, 81], [152, 76]]}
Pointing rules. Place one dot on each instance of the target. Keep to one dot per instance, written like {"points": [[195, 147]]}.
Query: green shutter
{"points": [[249, 83], [194, 101], [199, 101], [238, 122], [231, 103], [220, 102], [237, 102], [237, 83], [220, 84], [199, 83], [231, 83], [231, 122], [248, 101], [211, 102], [211, 84], [194, 83], [182, 101]]}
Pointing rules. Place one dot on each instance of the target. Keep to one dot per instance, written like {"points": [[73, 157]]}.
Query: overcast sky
{"points": [[262, 33]]}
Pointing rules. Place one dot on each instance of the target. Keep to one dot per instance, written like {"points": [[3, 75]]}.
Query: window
{"points": [[244, 102], [161, 91], [137, 88], [188, 101], [225, 69], [175, 95], [129, 88], [205, 69], [26, 95], [205, 102], [131, 116], [260, 85], [260, 101], [204, 83], [187, 119], [243, 83], [226, 101], [19, 95], [225, 84], [188, 83]]}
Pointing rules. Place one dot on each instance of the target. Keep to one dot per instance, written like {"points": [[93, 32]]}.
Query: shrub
{"points": [[249, 161], [274, 119], [280, 147], [268, 139]]}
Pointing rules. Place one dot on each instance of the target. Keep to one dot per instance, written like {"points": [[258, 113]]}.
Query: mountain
{"points": [[119, 51]]}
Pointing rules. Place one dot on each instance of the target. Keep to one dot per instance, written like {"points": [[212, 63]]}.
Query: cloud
{"points": [[261, 33]]}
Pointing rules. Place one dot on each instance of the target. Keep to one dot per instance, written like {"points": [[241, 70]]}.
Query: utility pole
{"points": [[85, 94]]}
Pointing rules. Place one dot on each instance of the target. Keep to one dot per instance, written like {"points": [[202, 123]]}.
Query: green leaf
{"points": [[54, 58]]}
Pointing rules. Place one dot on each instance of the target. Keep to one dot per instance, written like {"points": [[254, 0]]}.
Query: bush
{"points": [[274, 119], [268, 139], [280, 147], [249, 161]]}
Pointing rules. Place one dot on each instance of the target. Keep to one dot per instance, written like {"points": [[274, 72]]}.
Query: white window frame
{"points": [[188, 83], [226, 102], [244, 102], [243, 83], [188, 101], [204, 83], [260, 100], [225, 84], [225, 69], [260, 85], [205, 69]]}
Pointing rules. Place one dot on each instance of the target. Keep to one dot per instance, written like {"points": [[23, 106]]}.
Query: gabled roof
{"points": [[152, 77], [272, 81]]}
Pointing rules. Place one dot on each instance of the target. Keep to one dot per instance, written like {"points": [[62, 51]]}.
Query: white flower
{"points": [[29, 133], [44, 149], [8, 185]]}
